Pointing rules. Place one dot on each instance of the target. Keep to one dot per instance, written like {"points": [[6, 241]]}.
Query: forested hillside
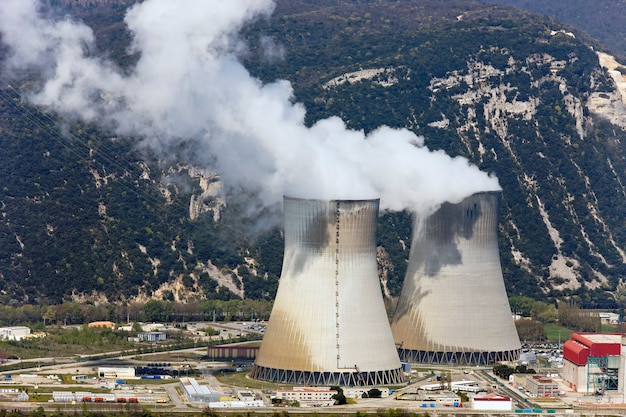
{"points": [[602, 19], [88, 215], [508, 90]]}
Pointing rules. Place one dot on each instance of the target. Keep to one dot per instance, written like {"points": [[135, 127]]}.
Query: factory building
{"points": [[453, 308], [308, 396], [102, 325], [196, 392], [114, 372], [328, 325], [536, 385], [230, 352], [151, 336], [591, 362], [14, 332], [492, 402], [540, 386]]}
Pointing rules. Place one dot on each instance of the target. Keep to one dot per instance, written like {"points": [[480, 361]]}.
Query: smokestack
{"points": [[328, 325], [453, 308]]}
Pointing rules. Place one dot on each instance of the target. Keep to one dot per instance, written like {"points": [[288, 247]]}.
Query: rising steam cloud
{"points": [[189, 85]]}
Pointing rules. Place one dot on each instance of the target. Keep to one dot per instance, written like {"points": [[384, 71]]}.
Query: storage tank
{"points": [[328, 325], [453, 308]]}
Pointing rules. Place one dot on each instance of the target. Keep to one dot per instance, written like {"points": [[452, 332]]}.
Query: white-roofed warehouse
{"points": [[198, 393]]}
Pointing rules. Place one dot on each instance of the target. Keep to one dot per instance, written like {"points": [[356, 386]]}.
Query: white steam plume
{"points": [[189, 85]]}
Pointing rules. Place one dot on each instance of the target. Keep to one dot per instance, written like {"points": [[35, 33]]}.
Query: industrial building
{"points": [[308, 396], [151, 336], [14, 332], [87, 397], [541, 386], [536, 385], [195, 392], [102, 324], [113, 372], [492, 402], [453, 308], [592, 362], [230, 352], [328, 325], [357, 392]]}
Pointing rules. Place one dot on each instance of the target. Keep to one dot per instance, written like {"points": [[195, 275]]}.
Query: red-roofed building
{"points": [[492, 402], [594, 355]]}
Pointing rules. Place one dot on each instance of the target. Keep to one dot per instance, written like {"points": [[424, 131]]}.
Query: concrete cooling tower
{"points": [[453, 308], [328, 325]]}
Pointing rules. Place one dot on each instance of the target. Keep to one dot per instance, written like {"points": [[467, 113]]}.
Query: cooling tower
{"points": [[453, 308], [328, 325]]}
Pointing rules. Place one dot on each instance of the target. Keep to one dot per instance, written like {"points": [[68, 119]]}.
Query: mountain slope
{"points": [[602, 19], [513, 92]]}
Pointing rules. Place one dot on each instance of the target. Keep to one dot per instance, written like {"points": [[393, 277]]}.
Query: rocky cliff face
{"points": [[517, 95], [478, 90], [544, 113]]}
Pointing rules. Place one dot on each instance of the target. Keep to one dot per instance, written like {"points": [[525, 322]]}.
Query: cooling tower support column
{"points": [[329, 325], [453, 308]]}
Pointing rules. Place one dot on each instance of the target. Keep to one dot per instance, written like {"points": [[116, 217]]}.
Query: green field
{"points": [[556, 333]]}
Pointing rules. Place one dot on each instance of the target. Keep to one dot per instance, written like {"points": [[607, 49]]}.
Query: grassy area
{"points": [[240, 379], [68, 342], [556, 333], [612, 328]]}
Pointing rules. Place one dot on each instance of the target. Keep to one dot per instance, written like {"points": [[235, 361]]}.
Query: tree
{"points": [[50, 314], [504, 371], [544, 312], [530, 330], [374, 393], [572, 316], [339, 398], [153, 310]]}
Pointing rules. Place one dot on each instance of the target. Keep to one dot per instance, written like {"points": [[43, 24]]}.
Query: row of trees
{"points": [[531, 327], [572, 316], [504, 371], [151, 311], [538, 313]]}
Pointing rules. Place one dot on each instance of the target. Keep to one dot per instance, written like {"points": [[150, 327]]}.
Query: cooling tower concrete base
{"points": [[329, 324], [343, 379], [453, 308], [457, 358]]}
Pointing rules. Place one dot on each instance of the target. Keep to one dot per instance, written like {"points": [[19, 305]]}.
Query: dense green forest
{"points": [[603, 19], [86, 215]]}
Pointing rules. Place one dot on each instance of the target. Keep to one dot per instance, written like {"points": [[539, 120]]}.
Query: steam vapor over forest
{"points": [[94, 213]]}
